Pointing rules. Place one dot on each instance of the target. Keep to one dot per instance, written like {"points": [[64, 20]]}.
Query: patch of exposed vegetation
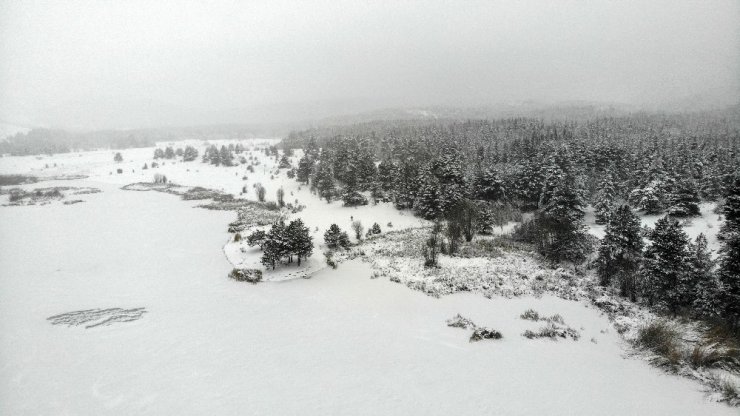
{"points": [[553, 331], [253, 276], [459, 321], [482, 333], [43, 196], [12, 180]]}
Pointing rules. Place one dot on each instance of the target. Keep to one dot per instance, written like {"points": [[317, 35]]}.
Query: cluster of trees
{"points": [[463, 173], [656, 163], [282, 243], [188, 155], [52, 141], [216, 156], [672, 272]]}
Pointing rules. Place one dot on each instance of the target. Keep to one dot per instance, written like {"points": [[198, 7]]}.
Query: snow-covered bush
{"points": [[553, 331], [459, 321], [482, 333], [353, 199], [246, 275]]}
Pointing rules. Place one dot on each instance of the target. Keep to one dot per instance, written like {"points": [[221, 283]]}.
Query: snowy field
{"points": [[337, 343]]}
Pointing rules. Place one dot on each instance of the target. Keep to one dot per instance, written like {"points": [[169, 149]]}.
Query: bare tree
{"points": [[357, 226]]}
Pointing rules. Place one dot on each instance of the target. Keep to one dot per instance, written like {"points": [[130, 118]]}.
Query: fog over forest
{"points": [[138, 64]]}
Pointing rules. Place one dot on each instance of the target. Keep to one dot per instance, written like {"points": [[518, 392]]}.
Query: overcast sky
{"points": [[212, 56]]}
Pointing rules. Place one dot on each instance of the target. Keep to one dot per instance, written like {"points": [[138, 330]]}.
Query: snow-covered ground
{"points": [[337, 343]]}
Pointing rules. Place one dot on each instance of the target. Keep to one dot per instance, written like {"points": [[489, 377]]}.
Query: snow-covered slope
{"points": [[338, 343]]}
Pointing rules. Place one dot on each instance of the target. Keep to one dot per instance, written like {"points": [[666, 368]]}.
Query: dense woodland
{"points": [[53, 141], [469, 176]]}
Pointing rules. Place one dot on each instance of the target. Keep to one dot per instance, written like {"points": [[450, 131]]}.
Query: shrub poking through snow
{"points": [[553, 331], [662, 339], [246, 275], [459, 321], [480, 334], [530, 315], [375, 229], [533, 315], [728, 389], [329, 258]]}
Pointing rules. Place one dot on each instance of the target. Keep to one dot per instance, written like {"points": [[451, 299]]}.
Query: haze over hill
{"points": [[90, 65]]}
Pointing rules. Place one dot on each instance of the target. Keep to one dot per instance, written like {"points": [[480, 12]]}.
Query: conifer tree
{"points": [[406, 184], [604, 199], [189, 154], [335, 238], [729, 261], [703, 293], [489, 185], [305, 168], [299, 240], [386, 174], [565, 236], [312, 149], [225, 156], [684, 199], [324, 181], [666, 268], [621, 251], [284, 162]]}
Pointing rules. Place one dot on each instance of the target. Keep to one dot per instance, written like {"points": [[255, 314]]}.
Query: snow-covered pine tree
{"points": [[299, 240], [284, 162], [158, 153], [325, 181], [666, 269], [729, 260], [335, 238], [704, 291], [553, 176], [189, 154], [489, 185], [226, 156], [683, 199], [305, 168], [386, 174], [274, 246], [406, 184], [604, 199], [486, 219], [428, 202], [312, 150], [566, 238], [169, 153], [650, 199], [620, 251], [441, 186]]}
